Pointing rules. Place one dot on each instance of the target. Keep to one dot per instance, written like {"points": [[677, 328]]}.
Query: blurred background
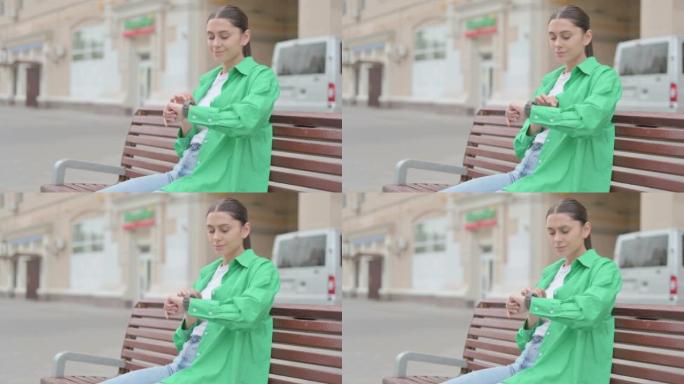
{"points": [[71, 265], [415, 264], [73, 71], [416, 71]]}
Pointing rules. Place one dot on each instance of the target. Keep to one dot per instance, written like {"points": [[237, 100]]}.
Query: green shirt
{"points": [[236, 153], [577, 155], [578, 345], [236, 345]]}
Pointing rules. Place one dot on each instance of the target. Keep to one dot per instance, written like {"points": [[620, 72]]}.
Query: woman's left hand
{"points": [[177, 301], [549, 101]]}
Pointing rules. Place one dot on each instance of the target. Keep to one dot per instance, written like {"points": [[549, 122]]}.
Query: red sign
{"points": [[139, 224], [474, 226], [139, 31], [481, 32]]}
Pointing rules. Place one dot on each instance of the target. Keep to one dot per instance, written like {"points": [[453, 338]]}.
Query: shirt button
{"points": [[194, 116], [536, 309], [551, 311], [552, 120], [211, 313], [536, 116], [210, 120]]}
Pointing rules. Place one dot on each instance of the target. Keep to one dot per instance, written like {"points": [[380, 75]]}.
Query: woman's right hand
{"points": [[189, 293], [514, 113], [170, 307], [181, 98]]}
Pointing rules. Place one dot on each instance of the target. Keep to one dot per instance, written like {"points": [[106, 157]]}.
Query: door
{"points": [[144, 269], [486, 78], [32, 278], [144, 77], [374, 85], [32, 85], [374, 278], [486, 270]]}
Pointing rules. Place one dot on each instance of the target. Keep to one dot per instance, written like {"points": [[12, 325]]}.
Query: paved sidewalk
{"points": [[375, 332], [376, 139], [33, 139], [33, 332]]}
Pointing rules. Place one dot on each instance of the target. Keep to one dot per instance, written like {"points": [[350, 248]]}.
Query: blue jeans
{"points": [[496, 183], [498, 374], [157, 181], [156, 374]]}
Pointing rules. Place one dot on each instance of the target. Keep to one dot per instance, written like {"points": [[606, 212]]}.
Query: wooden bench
{"points": [[649, 345], [307, 345], [649, 153], [307, 153]]}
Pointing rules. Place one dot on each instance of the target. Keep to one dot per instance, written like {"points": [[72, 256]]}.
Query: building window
{"points": [[2, 7], [88, 236], [88, 43], [430, 236], [430, 43]]}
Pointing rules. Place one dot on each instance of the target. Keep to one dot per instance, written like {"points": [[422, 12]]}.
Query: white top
{"points": [[212, 93], [558, 88], [214, 283], [550, 291]]}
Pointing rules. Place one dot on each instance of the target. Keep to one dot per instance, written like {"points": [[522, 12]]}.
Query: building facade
{"points": [[461, 248], [121, 248], [458, 55], [117, 55]]}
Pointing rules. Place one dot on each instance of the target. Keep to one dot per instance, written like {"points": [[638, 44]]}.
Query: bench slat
{"points": [[647, 373], [305, 373], [167, 349], [305, 340], [491, 141], [650, 119], [481, 356], [141, 164], [307, 165], [305, 181], [326, 119], [306, 357], [648, 357], [649, 148], [135, 355], [149, 334], [648, 181], [504, 347], [155, 142], [170, 325], [317, 133], [649, 165], [308, 325], [649, 325], [478, 162], [164, 155], [154, 130], [486, 153], [651, 133], [305, 148]]}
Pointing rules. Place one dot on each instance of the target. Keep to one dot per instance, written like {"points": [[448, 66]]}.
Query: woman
{"points": [[567, 337], [224, 144], [225, 336], [566, 141]]}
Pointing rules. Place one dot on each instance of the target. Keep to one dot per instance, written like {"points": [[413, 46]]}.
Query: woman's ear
{"points": [[586, 230], [245, 38], [588, 36], [246, 230]]}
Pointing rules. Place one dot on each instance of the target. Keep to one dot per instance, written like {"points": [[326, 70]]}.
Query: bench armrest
{"points": [[61, 359], [403, 166], [61, 166], [401, 362]]}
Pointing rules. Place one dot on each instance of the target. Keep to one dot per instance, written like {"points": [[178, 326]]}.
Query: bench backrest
{"points": [[649, 149], [307, 149], [307, 341], [649, 341]]}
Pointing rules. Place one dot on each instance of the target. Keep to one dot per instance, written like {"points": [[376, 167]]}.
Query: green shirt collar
{"points": [[587, 67], [587, 259], [245, 67], [245, 259]]}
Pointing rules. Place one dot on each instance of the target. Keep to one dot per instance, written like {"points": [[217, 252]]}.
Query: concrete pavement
{"points": [[32, 332], [33, 139], [375, 139], [375, 332]]}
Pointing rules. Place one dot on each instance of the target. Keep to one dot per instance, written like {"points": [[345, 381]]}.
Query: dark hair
{"points": [[237, 18], [576, 211], [237, 211], [578, 17]]}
